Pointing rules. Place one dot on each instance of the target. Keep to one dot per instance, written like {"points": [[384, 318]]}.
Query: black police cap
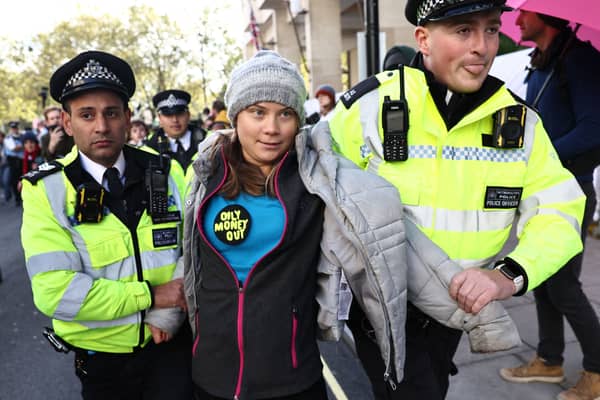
{"points": [[173, 101], [92, 70], [13, 124], [419, 12]]}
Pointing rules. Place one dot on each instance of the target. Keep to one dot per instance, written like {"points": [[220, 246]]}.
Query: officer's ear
{"points": [[422, 35], [65, 116]]}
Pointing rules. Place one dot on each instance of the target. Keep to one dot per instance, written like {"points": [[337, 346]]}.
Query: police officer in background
{"points": [[101, 238], [176, 137], [468, 159]]}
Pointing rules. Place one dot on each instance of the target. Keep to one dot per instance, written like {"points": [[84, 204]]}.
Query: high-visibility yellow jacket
{"points": [[90, 277], [463, 194]]}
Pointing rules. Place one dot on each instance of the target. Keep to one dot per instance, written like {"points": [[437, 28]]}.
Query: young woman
{"points": [[272, 218]]}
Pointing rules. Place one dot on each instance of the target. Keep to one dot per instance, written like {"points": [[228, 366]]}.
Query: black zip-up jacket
{"points": [[258, 340]]}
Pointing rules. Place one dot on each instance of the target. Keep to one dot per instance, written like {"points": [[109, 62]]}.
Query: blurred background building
{"points": [[326, 38]]}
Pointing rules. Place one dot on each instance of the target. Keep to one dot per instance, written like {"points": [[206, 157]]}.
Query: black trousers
{"points": [[562, 295], [430, 348], [156, 372], [318, 391]]}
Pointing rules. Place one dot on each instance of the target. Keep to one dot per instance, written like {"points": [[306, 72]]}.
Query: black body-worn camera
{"points": [[90, 203], [509, 127]]}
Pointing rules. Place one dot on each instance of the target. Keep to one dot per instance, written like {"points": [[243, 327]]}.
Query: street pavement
{"points": [[29, 369], [478, 376]]}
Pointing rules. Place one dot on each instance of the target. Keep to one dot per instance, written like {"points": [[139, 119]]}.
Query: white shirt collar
{"points": [[97, 171], [186, 141], [448, 96]]}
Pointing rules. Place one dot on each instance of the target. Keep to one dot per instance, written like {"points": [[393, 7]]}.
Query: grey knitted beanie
{"points": [[265, 77]]}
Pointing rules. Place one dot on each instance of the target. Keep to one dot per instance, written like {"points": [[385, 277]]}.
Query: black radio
{"points": [[394, 121], [157, 186], [395, 129]]}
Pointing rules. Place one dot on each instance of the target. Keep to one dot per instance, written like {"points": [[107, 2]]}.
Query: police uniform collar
{"points": [[185, 140], [97, 171]]}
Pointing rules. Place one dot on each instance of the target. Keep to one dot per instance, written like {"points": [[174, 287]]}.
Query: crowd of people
{"points": [[203, 260]]}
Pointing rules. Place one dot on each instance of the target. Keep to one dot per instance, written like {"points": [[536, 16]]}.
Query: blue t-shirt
{"points": [[243, 229]]}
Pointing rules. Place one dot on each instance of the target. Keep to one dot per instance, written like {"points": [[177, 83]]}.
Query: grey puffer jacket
{"points": [[385, 259]]}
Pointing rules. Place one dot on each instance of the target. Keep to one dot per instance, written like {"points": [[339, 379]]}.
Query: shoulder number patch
{"points": [[45, 169], [359, 90]]}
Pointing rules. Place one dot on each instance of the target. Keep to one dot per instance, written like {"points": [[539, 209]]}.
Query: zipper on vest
{"points": [[294, 332], [197, 339], [240, 340]]}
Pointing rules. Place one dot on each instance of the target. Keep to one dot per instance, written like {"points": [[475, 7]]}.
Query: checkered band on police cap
{"points": [[427, 7], [92, 70], [266, 77], [419, 12]]}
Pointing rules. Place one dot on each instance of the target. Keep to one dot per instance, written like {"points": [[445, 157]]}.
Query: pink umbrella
{"points": [[584, 12]]}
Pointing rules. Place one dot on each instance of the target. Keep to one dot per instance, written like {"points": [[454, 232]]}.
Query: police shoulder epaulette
{"points": [[519, 100], [45, 169], [359, 90]]}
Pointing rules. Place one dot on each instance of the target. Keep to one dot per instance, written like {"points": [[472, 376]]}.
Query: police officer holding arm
{"points": [[468, 159], [101, 234]]}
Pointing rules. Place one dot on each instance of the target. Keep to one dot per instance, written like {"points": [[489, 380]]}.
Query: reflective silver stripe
{"points": [[56, 192], [525, 217], [562, 192], [128, 320], [473, 220], [53, 261], [115, 271], [369, 115], [531, 121], [175, 192], [159, 258], [483, 154], [73, 297], [420, 215], [460, 220], [127, 267]]}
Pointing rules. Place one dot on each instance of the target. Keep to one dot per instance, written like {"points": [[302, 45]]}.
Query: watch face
{"points": [[508, 272]]}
